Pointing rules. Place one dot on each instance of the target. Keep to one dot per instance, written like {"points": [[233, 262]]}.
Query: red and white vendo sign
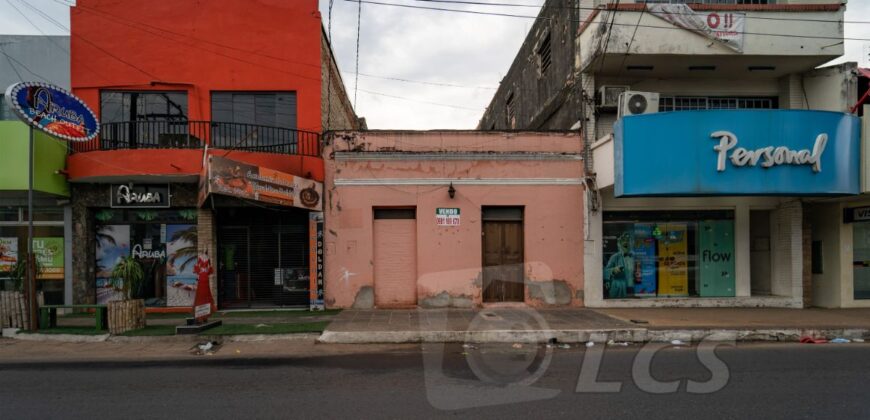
{"points": [[724, 26], [446, 216]]}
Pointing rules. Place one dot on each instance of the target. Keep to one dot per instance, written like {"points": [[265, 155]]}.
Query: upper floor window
{"points": [[544, 56], [689, 103], [122, 106], [254, 119]]}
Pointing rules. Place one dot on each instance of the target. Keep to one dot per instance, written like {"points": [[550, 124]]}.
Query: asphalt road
{"points": [[760, 381]]}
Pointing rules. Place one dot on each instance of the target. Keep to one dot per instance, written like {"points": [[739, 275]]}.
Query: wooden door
{"points": [[395, 265], [503, 261]]}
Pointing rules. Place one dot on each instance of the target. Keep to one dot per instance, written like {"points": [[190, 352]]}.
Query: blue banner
{"points": [[737, 152]]}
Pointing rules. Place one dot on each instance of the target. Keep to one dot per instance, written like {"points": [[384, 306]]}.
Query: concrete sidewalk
{"points": [[600, 325]]}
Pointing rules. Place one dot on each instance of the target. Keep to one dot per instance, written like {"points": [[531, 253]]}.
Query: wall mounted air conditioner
{"points": [[638, 103], [609, 95]]}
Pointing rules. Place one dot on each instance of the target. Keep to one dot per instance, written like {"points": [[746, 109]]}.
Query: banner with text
{"points": [[243, 180]]}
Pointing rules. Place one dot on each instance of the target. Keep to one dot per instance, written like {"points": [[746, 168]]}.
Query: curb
{"points": [[73, 338], [638, 335]]}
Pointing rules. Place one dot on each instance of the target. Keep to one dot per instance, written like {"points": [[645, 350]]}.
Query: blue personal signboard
{"points": [[737, 152], [53, 110]]}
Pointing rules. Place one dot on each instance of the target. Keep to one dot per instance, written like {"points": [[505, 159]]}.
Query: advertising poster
{"points": [[619, 267], [644, 260], [673, 260], [238, 179], [113, 243], [181, 257], [8, 253], [49, 255]]}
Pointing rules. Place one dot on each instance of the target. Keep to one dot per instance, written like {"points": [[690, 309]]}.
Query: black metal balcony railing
{"points": [[184, 134]]}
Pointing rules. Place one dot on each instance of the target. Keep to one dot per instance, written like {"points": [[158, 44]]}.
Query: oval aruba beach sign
{"points": [[54, 110]]}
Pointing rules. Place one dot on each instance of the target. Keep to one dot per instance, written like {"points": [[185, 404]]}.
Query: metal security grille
{"points": [[263, 263], [689, 103]]}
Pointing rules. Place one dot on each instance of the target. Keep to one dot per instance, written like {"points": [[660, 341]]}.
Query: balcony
{"points": [[172, 150], [185, 134], [775, 40]]}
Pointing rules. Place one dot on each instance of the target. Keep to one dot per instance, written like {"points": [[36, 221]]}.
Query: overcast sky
{"points": [[471, 51]]}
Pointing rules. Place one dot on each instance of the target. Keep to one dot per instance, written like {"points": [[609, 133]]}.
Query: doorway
{"points": [[395, 257], [503, 274]]}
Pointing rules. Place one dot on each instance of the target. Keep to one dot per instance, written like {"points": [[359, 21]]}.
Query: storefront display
{"points": [[163, 242], [48, 248], [668, 254]]}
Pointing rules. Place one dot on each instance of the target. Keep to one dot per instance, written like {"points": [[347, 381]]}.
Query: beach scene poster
{"points": [[181, 256], [113, 243]]}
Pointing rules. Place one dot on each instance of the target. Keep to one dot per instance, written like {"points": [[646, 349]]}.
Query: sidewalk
{"points": [[599, 325]]}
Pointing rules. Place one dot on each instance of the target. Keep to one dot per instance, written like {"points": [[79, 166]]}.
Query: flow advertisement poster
{"points": [[673, 261], [645, 260]]}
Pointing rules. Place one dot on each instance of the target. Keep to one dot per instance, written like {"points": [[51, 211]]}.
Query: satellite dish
{"points": [[637, 104]]}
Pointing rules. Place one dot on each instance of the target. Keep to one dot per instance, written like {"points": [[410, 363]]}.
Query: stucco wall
{"points": [[540, 172]]}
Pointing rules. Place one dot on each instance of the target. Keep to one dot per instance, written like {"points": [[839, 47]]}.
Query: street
{"points": [[766, 381]]}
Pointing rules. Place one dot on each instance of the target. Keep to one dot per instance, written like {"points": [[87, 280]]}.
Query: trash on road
{"points": [[812, 340], [617, 343], [590, 344], [469, 346], [678, 342], [517, 346], [857, 340], [840, 340]]}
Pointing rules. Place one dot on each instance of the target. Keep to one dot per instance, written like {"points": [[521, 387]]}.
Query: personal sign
{"points": [[54, 110], [446, 216]]}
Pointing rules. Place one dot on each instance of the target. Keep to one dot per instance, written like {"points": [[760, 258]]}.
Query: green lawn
{"points": [[240, 329], [275, 314], [66, 330], [151, 331]]}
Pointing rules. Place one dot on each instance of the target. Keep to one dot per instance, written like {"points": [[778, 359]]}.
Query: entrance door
{"points": [[395, 252], [234, 276], [503, 255]]}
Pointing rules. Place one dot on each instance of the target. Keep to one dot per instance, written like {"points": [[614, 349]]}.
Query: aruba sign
{"points": [[53, 110], [737, 152]]}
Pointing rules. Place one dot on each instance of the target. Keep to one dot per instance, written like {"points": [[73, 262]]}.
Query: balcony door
{"points": [[262, 121]]}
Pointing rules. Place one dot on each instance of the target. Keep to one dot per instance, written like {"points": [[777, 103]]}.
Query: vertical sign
{"points": [[315, 289], [673, 261]]}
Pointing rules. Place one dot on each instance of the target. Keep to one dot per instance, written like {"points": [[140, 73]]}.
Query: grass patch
{"points": [[275, 314], [170, 315], [66, 330], [151, 331], [243, 329]]}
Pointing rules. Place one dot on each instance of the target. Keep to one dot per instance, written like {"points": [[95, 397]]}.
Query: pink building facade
{"points": [[453, 219]]}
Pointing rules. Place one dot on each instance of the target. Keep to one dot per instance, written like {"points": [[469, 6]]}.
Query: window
{"points": [[267, 109], [118, 106], [509, 111], [6, 113], [544, 56], [709, 1], [668, 254], [691, 103]]}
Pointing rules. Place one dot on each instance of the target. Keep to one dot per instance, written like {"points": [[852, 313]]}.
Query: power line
{"points": [[419, 101], [616, 24], [356, 77]]}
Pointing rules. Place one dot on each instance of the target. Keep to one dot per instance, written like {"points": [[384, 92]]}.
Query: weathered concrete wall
{"points": [[541, 101], [86, 198], [336, 111], [370, 170]]}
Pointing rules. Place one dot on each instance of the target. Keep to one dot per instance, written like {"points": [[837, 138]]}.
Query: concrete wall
{"points": [[540, 172], [48, 56]]}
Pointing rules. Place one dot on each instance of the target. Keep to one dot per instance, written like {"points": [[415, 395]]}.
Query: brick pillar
{"points": [[207, 242]]}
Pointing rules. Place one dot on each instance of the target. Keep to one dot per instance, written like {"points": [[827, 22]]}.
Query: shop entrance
{"points": [[262, 257], [503, 254]]}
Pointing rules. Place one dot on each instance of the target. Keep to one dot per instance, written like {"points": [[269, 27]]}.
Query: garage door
{"points": [[395, 252]]}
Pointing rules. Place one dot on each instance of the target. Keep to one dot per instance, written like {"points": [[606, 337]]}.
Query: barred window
{"points": [[691, 103]]}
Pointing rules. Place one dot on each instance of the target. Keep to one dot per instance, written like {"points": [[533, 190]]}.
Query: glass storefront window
{"points": [[861, 260], [164, 242], [48, 247], [668, 254]]}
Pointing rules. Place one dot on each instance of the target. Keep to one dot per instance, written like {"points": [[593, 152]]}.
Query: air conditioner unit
{"points": [[638, 103], [610, 95]]}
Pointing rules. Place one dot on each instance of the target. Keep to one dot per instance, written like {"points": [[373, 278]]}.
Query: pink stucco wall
{"points": [[449, 259]]}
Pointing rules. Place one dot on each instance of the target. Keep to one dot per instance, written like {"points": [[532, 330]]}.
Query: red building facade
{"points": [[211, 115]]}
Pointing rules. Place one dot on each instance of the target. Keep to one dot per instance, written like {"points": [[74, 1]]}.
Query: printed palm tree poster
{"points": [[673, 260], [181, 256], [113, 244]]}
